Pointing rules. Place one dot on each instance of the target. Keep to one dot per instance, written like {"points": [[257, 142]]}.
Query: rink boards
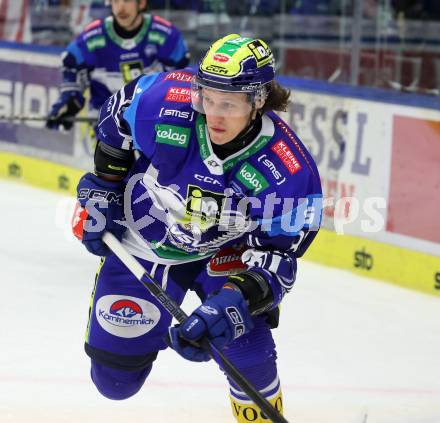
{"points": [[377, 153]]}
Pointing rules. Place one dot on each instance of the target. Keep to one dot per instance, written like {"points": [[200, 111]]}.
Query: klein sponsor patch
{"points": [[125, 316], [179, 76], [282, 150], [178, 95]]}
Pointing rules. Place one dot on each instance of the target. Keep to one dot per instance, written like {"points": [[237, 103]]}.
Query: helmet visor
{"points": [[218, 102]]}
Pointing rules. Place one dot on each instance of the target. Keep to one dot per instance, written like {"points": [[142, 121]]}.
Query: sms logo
{"points": [[125, 316]]}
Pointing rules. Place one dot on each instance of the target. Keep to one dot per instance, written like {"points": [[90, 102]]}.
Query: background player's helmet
{"points": [[235, 64]]}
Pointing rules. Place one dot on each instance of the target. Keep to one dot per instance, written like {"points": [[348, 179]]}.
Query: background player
{"points": [[208, 171], [112, 52]]}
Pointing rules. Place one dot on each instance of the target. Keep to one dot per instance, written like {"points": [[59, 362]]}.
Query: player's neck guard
{"points": [[243, 139]]}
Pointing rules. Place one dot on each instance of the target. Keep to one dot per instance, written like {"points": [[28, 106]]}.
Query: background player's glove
{"points": [[67, 106], [221, 318], [100, 207]]}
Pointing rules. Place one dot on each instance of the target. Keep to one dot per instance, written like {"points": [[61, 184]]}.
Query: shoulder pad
{"points": [[161, 20], [93, 36], [93, 25], [160, 30], [290, 150]]}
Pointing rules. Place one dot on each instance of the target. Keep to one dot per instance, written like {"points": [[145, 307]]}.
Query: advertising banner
{"points": [[378, 164], [29, 82]]}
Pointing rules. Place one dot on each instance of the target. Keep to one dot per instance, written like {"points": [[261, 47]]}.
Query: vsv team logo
{"points": [[125, 316]]}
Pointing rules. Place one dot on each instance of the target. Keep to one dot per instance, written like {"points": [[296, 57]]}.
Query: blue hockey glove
{"points": [[221, 318], [67, 106], [100, 207]]}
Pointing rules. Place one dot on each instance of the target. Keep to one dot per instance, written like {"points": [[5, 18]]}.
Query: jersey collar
{"points": [[126, 43], [219, 167]]}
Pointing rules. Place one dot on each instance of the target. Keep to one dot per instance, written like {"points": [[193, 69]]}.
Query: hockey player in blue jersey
{"points": [[111, 53], [212, 192]]}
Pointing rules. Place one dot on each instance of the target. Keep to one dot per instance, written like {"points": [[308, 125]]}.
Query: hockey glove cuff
{"points": [[100, 208], [67, 106]]}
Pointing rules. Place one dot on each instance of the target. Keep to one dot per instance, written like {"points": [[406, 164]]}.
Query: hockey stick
{"points": [[173, 308], [73, 119]]}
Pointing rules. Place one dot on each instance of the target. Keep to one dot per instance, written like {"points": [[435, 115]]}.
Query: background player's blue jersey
{"points": [[184, 203], [99, 57]]}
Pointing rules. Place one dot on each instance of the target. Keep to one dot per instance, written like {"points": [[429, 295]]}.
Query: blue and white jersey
{"points": [[100, 58], [184, 203]]}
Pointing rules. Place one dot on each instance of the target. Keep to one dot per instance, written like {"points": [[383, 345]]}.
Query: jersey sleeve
{"points": [[112, 129], [77, 62], [173, 52], [121, 121], [279, 240], [286, 219]]}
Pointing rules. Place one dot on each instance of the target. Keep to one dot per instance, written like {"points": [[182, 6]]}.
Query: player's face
{"points": [[227, 114], [126, 12]]}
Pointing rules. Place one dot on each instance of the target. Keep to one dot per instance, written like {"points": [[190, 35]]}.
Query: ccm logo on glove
{"points": [[100, 195], [236, 320]]}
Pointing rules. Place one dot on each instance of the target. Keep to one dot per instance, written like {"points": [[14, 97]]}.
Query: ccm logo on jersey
{"points": [[177, 113], [178, 95], [207, 179], [275, 172], [282, 150]]}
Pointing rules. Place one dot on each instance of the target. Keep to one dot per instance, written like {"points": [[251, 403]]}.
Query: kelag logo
{"points": [[172, 135], [125, 316], [251, 178], [363, 260], [437, 280]]}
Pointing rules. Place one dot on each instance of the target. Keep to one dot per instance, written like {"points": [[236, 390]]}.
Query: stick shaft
{"points": [[174, 309], [22, 118]]}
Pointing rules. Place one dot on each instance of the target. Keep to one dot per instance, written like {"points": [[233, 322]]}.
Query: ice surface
{"points": [[351, 349]]}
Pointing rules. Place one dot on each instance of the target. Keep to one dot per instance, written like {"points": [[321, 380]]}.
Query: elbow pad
{"points": [[112, 161], [255, 289]]}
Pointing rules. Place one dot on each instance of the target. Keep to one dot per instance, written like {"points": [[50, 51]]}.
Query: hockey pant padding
{"points": [[118, 384], [118, 361]]}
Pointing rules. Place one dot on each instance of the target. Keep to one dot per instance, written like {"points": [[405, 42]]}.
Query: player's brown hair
{"points": [[278, 98]]}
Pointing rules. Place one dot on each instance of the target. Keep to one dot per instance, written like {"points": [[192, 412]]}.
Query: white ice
{"points": [[351, 349]]}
